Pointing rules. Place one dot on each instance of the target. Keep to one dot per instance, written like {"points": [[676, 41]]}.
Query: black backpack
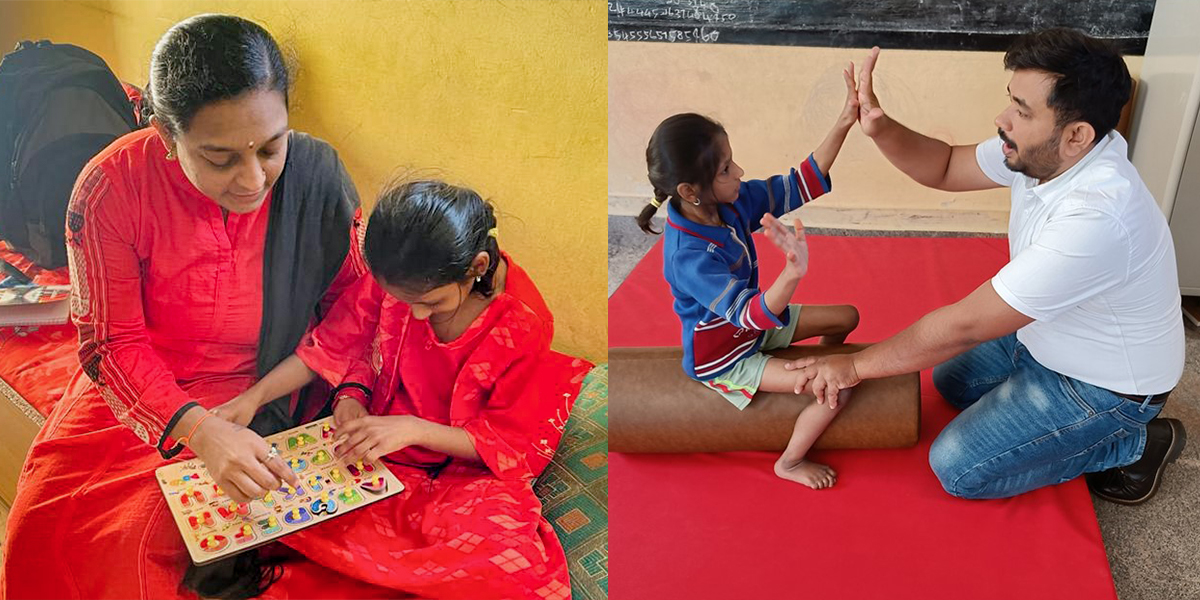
{"points": [[60, 105]]}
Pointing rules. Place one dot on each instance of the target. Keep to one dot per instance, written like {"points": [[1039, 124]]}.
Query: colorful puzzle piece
{"points": [[290, 493], [204, 519], [297, 516], [269, 525], [375, 485], [349, 496], [323, 506], [233, 510], [244, 535], [214, 543], [192, 497]]}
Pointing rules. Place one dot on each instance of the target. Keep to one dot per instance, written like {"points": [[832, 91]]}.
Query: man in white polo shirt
{"points": [[1062, 361]]}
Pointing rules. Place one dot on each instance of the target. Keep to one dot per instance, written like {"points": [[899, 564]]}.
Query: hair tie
{"points": [[655, 202], [494, 232]]}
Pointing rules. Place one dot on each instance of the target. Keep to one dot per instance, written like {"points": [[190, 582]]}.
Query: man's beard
{"points": [[1039, 162]]}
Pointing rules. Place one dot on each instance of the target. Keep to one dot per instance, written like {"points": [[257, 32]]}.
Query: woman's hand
{"points": [[793, 245], [368, 437], [347, 409], [241, 409], [237, 459]]}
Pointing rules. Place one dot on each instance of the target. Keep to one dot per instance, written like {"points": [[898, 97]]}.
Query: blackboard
{"points": [[911, 24]]}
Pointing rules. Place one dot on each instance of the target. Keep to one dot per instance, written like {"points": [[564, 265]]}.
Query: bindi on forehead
{"points": [[250, 145]]}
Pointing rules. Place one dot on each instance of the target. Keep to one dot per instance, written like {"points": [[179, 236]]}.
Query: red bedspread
{"points": [[37, 362], [723, 526]]}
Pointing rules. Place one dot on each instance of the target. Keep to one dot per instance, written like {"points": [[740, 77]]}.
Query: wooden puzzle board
{"points": [[215, 527]]}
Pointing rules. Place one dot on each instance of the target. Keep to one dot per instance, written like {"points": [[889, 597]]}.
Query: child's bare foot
{"points": [[815, 475]]}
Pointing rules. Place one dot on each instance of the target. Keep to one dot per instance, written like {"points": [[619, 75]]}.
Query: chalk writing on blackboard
{"points": [[697, 34], [912, 24]]}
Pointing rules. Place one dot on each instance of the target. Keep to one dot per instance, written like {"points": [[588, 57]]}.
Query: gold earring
{"points": [[171, 154]]}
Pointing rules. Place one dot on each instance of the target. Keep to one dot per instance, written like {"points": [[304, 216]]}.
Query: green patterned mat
{"points": [[574, 489]]}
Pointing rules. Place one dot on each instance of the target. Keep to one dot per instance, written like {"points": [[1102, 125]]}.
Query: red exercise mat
{"points": [[722, 526]]}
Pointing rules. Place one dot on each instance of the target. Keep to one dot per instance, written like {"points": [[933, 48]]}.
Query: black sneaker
{"points": [[1138, 482]]}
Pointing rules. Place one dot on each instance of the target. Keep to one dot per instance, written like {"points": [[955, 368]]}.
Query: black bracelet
{"points": [[177, 448], [358, 386]]}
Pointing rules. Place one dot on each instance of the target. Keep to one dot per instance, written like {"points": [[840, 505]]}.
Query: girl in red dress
{"points": [[443, 370]]}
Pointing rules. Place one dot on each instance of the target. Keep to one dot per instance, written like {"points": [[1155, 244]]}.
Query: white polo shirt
{"points": [[1092, 262]]}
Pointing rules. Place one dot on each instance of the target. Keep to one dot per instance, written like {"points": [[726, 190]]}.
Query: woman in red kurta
{"points": [[172, 232], [444, 370]]}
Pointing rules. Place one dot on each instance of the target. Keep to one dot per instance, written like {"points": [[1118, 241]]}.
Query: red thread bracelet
{"points": [[188, 438]]}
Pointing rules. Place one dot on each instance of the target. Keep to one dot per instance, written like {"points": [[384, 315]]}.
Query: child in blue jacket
{"points": [[711, 264]]}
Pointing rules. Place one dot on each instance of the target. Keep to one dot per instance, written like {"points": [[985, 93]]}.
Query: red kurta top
{"points": [[482, 381], [166, 290], [167, 298]]}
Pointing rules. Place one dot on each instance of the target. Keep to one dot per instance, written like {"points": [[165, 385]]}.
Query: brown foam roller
{"points": [[655, 407]]}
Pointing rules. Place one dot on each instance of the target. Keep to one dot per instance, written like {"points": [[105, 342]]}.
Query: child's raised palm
{"points": [[793, 245], [850, 111]]}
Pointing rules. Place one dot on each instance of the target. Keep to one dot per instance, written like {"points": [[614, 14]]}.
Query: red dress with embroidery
{"points": [[167, 297], [474, 530]]}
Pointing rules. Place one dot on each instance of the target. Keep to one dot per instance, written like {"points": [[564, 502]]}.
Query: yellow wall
{"points": [[777, 103], [506, 97]]}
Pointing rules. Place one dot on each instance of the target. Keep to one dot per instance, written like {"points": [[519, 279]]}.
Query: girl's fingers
{"points": [[359, 451], [349, 441], [373, 453]]}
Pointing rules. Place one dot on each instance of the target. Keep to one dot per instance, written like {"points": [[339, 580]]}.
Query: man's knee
{"points": [[948, 385], [954, 468]]}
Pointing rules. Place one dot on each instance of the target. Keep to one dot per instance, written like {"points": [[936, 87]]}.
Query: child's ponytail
{"points": [[685, 148], [648, 212]]}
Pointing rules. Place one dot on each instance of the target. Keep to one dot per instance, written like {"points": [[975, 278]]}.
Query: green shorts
{"points": [[739, 384]]}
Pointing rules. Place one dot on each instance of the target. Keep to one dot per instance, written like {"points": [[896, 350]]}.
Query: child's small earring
{"points": [[697, 202]]}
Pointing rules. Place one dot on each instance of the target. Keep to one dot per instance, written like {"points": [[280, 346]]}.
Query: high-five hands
{"points": [[870, 114]]}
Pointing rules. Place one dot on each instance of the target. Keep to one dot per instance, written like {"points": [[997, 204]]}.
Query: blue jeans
{"points": [[1024, 426]]}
